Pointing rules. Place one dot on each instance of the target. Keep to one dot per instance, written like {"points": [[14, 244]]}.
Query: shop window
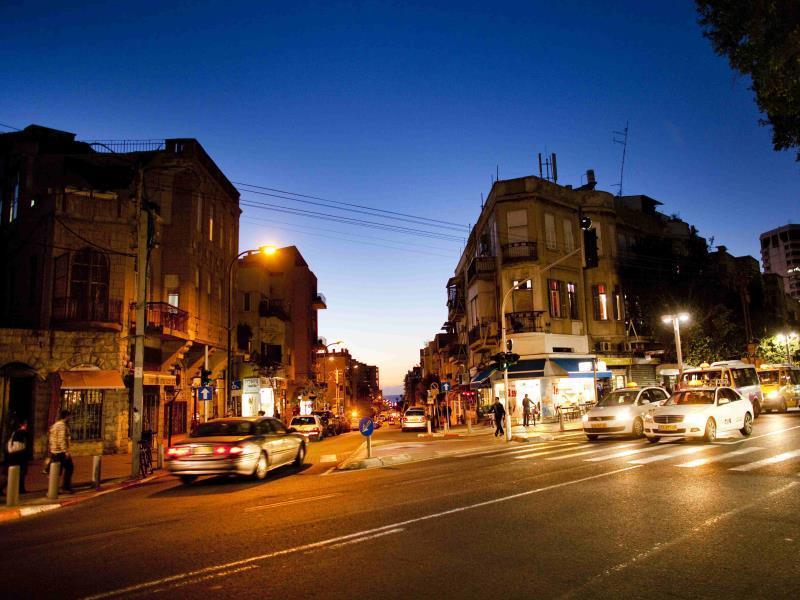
{"points": [[550, 231], [600, 302], [572, 301], [86, 414], [617, 301], [555, 292]]}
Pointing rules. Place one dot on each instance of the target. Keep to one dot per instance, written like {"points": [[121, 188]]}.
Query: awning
{"points": [[527, 368], [573, 368], [482, 376], [91, 380]]}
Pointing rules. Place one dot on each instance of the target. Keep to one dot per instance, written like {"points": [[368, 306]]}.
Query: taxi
{"points": [[622, 411], [700, 412], [780, 385]]}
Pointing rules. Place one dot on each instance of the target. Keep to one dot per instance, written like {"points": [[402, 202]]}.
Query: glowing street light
{"points": [[676, 320], [787, 338]]}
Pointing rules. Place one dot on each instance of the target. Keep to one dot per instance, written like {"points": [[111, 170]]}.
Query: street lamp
{"points": [[786, 338], [676, 320], [505, 348], [265, 251]]}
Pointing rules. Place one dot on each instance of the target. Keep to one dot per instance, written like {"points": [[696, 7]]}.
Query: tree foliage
{"points": [[761, 38], [773, 349], [719, 337]]}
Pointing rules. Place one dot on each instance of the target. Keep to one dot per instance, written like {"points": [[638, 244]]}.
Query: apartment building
{"points": [[780, 254]]}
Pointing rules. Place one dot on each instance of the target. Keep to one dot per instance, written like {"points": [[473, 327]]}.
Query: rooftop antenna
{"points": [[550, 172], [481, 200], [621, 137], [497, 172]]}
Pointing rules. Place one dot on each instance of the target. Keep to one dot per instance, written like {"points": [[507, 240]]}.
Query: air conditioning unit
{"points": [[605, 346]]}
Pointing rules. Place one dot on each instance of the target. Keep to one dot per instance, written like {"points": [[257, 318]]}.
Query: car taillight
{"points": [[222, 450], [236, 450], [178, 451], [315, 430]]}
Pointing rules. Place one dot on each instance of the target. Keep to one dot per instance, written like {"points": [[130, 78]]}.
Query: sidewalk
{"points": [[115, 474]]}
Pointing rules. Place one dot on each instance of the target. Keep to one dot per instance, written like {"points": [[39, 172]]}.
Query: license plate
{"points": [[202, 450], [597, 425], [667, 427]]}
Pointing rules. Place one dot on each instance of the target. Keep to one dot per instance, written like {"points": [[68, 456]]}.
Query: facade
{"points": [[345, 385], [69, 212], [277, 303], [780, 254]]}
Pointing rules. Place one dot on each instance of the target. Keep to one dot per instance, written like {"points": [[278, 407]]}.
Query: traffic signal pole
{"points": [[141, 299]]}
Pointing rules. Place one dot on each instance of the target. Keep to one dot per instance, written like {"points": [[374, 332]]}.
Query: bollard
{"points": [[469, 424], [12, 486], [97, 462], [52, 484], [160, 456], [560, 421]]}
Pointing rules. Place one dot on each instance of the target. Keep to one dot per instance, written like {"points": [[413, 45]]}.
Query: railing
{"points": [[123, 146], [161, 315], [273, 308], [481, 266], [75, 310], [526, 321], [456, 350], [479, 332], [519, 251]]}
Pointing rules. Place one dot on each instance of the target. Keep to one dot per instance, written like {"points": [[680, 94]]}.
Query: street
{"points": [[561, 518]]}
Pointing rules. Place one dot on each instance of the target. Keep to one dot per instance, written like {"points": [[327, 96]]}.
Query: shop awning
{"points": [[482, 376], [91, 380], [527, 368], [573, 367]]}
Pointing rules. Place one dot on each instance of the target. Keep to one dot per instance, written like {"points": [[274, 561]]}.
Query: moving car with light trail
{"points": [[414, 418], [622, 411], [247, 447], [780, 385], [700, 412]]}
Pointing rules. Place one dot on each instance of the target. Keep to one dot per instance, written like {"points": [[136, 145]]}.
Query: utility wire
{"points": [[10, 127]]}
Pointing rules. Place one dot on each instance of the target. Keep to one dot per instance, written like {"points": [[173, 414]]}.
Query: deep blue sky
{"points": [[408, 107]]}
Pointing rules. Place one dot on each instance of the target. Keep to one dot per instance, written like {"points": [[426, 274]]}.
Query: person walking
{"points": [[59, 448], [499, 413], [526, 411]]}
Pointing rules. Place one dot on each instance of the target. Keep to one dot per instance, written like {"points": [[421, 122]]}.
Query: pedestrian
{"points": [[59, 448], [526, 411], [261, 413], [499, 412]]}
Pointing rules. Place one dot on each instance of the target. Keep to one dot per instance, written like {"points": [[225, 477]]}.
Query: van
{"points": [[780, 385], [739, 375]]}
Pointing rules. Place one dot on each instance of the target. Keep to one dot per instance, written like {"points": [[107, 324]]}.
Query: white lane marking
{"points": [[546, 452], [310, 546], [682, 452], [699, 462], [199, 580], [624, 453], [755, 437], [767, 461], [327, 458], [368, 537], [585, 452], [513, 449], [288, 502], [660, 547], [26, 511], [406, 482]]}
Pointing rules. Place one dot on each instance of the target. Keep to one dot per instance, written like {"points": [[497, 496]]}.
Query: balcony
{"points": [[485, 331], [164, 318], [77, 311], [318, 302], [481, 267], [455, 300], [519, 251], [273, 308], [528, 321]]}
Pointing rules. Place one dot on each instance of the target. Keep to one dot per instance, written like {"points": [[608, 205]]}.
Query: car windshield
{"points": [[213, 428], [304, 421], [619, 397], [704, 377], [415, 412], [692, 397], [768, 376]]}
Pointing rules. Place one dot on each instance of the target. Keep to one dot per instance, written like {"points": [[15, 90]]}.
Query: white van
{"points": [[739, 375]]}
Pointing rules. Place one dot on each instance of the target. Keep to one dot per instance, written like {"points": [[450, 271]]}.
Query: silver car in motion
{"points": [[246, 446]]}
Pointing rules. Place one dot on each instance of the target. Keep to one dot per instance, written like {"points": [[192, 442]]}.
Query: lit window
{"points": [[618, 310], [555, 290], [572, 300], [600, 302], [173, 299], [211, 224]]}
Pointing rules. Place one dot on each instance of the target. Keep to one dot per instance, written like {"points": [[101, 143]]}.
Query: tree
{"points": [[773, 349], [718, 337], [761, 38]]}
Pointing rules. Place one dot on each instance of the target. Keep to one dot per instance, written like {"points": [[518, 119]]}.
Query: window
{"points": [[550, 231], [555, 292], [278, 427], [88, 279], [569, 238], [246, 304], [14, 206], [600, 302], [208, 283], [86, 413], [173, 298], [744, 377], [618, 312], [572, 301], [599, 231], [622, 243], [517, 225], [199, 222], [211, 223], [473, 311]]}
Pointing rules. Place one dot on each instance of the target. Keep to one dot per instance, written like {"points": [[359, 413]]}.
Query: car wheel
{"points": [[711, 431], [782, 407], [638, 428], [592, 437], [187, 479], [756, 409], [747, 429], [262, 467], [301, 454], [653, 439]]}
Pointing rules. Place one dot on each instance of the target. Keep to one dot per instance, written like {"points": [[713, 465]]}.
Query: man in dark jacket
{"points": [[499, 413]]}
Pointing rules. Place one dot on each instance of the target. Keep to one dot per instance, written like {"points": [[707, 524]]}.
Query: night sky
{"points": [[406, 107]]}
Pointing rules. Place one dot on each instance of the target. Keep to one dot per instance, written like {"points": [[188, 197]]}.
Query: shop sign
{"points": [[251, 385]]}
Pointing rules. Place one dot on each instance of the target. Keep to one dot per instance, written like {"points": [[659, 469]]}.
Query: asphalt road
{"points": [[559, 519]]}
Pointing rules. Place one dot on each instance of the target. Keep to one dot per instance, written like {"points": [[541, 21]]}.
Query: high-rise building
{"points": [[780, 254]]}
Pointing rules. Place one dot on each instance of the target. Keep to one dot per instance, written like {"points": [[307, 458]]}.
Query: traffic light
{"points": [[504, 360], [590, 259], [205, 376]]}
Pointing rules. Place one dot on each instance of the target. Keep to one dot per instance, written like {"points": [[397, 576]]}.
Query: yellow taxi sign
{"points": [[632, 384]]}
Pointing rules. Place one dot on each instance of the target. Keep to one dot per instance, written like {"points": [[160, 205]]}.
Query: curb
{"points": [[18, 512], [446, 436]]}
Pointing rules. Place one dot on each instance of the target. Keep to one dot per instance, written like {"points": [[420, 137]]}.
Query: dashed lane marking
{"points": [[367, 537]]}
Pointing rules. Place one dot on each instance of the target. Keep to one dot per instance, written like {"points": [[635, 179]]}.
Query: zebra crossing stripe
{"points": [[767, 461], [625, 453], [585, 452], [699, 462], [681, 452], [531, 455]]}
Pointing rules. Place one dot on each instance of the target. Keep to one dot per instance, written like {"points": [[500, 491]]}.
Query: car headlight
{"points": [[648, 417], [624, 415], [773, 394], [696, 420], [585, 418]]}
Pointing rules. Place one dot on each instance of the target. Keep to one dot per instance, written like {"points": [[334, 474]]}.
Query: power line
{"points": [[10, 127]]}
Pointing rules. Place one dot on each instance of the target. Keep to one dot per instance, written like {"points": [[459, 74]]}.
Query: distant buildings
{"points": [[780, 254], [345, 385]]}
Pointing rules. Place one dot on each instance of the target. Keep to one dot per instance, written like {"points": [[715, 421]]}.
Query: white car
{"points": [[700, 412], [622, 412], [414, 418], [309, 426]]}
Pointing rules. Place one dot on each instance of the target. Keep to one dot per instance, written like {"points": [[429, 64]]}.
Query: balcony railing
{"points": [[319, 302], [160, 315], [519, 251], [78, 310], [483, 331], [481, 267], [273, 308], [527, 321]]}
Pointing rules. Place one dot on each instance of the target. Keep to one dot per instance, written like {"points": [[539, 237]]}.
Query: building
{"points": [[69, 211], [345, 385], [780, 254], [277, 303]]}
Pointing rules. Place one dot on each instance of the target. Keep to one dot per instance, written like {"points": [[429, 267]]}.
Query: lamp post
{"points": [[325, 370], [505, 348], [786, 338], [266, 251], [676, 319]]}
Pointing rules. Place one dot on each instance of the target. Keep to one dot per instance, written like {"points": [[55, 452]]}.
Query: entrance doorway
{"points": [[16, 404]]}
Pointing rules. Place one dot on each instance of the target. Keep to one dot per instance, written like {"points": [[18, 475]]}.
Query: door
{"points": [[19, 408], [282, 442], [729, 405]]}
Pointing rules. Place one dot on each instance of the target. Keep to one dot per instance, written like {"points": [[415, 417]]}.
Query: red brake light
{"points": [[221, 450], [236, 450], [178, 451]]}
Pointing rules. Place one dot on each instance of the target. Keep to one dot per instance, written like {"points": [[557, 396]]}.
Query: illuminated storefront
{"points": [[257, 395]]}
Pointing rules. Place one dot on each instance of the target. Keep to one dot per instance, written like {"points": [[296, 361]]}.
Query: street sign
{"points": [[445, 386], [236, 384], [366, 426], [434, 386], [205, 393]]}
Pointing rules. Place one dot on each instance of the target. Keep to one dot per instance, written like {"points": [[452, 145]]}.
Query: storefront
{"points": [[257, 396]]}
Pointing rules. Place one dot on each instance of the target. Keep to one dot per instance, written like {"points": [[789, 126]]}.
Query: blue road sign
{"points": [[445, 386], [366, 426], [205, 393], [236, 384]]}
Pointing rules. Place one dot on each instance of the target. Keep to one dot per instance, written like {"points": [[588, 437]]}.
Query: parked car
{"points": [[780, 386], [249, 446], [622, 411], [328, 421], [308, 425], [700, 412], [414, 418], [736, 374]]}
